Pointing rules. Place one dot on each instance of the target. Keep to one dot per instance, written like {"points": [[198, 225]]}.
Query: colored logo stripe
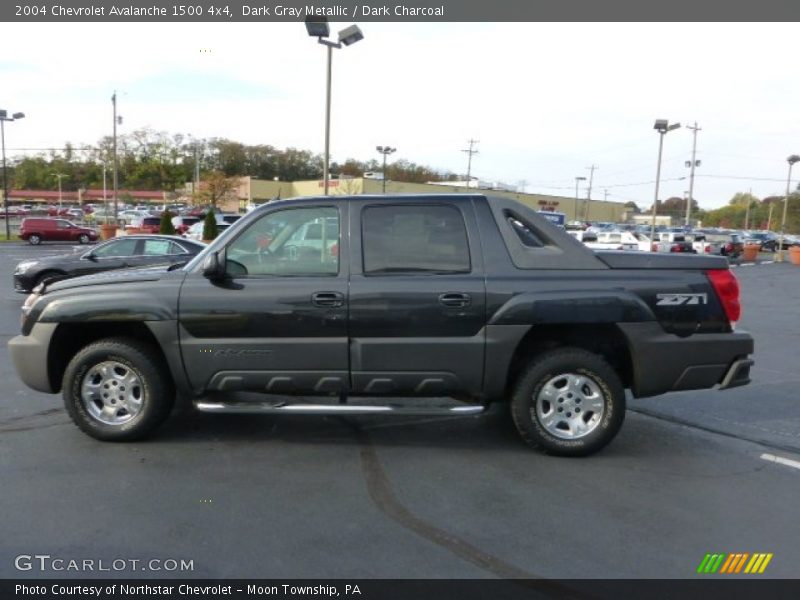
{"points": [[734, 562]]}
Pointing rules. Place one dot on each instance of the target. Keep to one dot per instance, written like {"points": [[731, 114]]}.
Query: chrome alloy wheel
{"points": [[112, 392], [569, 406]]}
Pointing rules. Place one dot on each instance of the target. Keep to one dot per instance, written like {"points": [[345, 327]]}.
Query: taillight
{"points": [[654, 247], [727, 288], [707, 249], [674, 248]]}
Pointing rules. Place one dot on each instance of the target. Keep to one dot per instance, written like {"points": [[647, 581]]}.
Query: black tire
{"points": [[83, 239], [34, 239], [550, 367], [156, 392]]}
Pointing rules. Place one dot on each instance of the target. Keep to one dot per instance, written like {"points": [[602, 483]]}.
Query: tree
{"points": [[166, 227], [743, 199], [217, 187], [210, 230]]}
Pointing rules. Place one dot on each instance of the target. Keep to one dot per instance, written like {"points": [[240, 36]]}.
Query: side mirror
{"points": [[214, 266], [90, 256]]}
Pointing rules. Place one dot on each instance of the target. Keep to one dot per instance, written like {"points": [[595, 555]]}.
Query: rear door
{"points": [[417, 297]]}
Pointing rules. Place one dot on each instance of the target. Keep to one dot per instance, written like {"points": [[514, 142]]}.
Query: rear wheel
{"points": [[115, 390], [569, 402], [34, 239]]}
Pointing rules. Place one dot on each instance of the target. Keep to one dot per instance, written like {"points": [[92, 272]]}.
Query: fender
{"points": [[573, 307]]}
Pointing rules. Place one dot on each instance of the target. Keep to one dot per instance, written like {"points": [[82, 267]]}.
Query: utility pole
{"points": [[747, 210], [59, 176], [115, 177], [589, 190], [470, 151], [693, 164]]}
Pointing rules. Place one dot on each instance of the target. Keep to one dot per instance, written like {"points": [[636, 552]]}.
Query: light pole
{"points": [[592, 169], [115, 179], [3, 118], [791, 160], [577, 183], [386, 151], [663, 127], [60, 176], [318, 27]]}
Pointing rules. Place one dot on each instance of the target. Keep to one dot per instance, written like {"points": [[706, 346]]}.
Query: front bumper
{"points": [[23, 283], [663, 362], [29, 355]]}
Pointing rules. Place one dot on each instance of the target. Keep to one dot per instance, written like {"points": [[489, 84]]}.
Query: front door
{"points": [[278, 323]]}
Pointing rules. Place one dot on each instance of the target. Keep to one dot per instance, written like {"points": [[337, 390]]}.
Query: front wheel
{"points": [[83, 239], [569, 402], [116, 390], [34, 239]]}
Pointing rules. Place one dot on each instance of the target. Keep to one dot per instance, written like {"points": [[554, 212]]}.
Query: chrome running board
{"points": [[334, 409]]}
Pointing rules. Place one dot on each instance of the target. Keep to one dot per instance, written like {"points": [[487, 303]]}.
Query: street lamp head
{"points": [[317, 27], [19, 115], [663, 126], [793, 159], [379, 148], [350, 35], [580, 179]]}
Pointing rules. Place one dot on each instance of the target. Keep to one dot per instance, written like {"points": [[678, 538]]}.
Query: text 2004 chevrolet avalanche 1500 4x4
{"points": [[464, 296]]}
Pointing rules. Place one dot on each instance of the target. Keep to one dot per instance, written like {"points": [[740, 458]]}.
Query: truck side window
{"points": [[523, 230], [414, 238], [290, 242]]}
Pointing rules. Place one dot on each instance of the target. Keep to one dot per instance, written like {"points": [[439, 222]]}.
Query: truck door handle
{"points": [[327, 299], [455, 299]]}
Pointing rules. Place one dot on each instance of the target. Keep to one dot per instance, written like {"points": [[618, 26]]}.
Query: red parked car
{"points": [[147, 224], [36, 231]]}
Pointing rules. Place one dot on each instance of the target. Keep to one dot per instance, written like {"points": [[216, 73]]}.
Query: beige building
{"points": [[261, 190]]}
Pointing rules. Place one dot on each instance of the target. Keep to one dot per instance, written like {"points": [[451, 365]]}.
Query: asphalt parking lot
{"points": [[294, 497]]}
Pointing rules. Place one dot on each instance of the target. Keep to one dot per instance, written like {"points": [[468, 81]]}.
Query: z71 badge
{"points": [[681, 299]]}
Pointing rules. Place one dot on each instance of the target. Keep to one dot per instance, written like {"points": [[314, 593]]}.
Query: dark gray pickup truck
{"points": [[467, 297]]}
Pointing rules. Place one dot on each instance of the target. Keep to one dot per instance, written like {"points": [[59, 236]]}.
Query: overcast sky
{"points": [[545, 100]]}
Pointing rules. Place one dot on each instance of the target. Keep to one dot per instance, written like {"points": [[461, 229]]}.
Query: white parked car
{"points": [[614, 240], [195, 232], [606, 240]]}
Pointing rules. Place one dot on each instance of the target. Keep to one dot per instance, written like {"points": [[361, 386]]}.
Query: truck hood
{"points": [[111, 277], [661, 260]]}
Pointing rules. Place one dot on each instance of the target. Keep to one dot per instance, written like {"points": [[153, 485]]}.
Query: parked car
{"points": [[182, 223], [614, 240], [126, 216], [146, 224], [117, 253], [767, 241], [37, 230], [673, 241], [725, 244], [195, 232]]}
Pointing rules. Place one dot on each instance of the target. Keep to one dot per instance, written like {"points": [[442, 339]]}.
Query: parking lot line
{"points": [[781, 461]]}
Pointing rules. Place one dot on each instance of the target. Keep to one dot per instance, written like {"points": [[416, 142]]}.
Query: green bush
{"points": [[166, 227], [210, 230]]}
